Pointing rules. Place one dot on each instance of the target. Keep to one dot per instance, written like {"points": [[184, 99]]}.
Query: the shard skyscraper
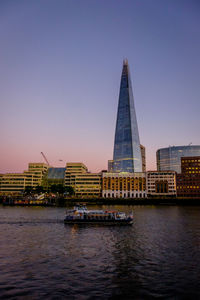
{"points": [[127, 153]]}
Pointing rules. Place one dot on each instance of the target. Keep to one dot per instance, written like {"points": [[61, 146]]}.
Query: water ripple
{"points": [[157, 257]]}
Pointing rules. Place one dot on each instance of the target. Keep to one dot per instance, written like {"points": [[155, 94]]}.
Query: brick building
{"points": [[188, 182]]}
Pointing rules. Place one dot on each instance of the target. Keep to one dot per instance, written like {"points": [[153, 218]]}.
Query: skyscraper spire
{"points": [[127, 153], [125, 62]]}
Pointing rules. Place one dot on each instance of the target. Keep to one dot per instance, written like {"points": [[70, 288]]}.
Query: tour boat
{"points": [[81, 215]]}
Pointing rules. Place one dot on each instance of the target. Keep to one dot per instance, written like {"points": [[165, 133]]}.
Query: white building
{"points": [[161, 183]]}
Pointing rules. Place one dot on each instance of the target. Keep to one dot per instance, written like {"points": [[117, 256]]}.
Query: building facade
{"points": [[127, 153], [143, 153], [39, 170], [170, 158], [76, 167], [54, 176], [15, 183], [123, 185], [84, 183], [1, 175], [110, 165], [161, 183], [188, 182]]}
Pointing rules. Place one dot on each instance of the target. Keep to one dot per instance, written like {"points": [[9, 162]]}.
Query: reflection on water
{"points": [[158, 256]]}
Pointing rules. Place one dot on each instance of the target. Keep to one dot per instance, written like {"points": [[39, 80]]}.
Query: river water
{"points": [[157, 257]]}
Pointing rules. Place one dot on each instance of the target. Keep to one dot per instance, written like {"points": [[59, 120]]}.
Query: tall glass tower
{"points": [[127, 153]]}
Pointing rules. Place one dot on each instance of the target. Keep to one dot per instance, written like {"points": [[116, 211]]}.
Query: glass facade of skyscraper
{"points": [[170, 158], [127, 152]]}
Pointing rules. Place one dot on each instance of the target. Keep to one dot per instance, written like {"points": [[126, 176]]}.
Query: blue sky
{"points": [[61, 64]]}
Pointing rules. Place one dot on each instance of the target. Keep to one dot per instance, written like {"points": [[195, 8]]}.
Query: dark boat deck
{"points": [[99, 222]]}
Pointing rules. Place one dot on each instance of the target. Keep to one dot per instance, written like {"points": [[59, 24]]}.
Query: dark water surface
{"points": [[157, 257]]}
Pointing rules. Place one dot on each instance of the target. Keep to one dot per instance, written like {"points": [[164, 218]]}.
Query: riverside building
{"points": [[123, 185], [188, 182], [1, 175], [54, 176], [143, 153], [84, 183], [170, 158], [15, 183], [76, 167], [161, 183], [127, 152], [39, 170]]}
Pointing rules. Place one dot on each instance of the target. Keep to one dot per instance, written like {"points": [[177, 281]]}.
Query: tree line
{"points": [[54, 188]]}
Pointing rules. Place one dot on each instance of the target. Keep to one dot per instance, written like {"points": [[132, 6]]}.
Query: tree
{"points": [[39, 189], [53, 188], [69, 190], [28, 189], [60, 189], [57, 188]]}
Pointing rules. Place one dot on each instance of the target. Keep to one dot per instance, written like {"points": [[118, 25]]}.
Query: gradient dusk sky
{"points": [[60, 69]]}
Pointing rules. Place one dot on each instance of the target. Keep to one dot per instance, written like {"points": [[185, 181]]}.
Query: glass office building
{"points": [[170, 158], [54, 176], [127, 153]]}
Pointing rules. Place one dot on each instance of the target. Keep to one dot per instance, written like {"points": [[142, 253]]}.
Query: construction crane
{"points": [[45, 158]]}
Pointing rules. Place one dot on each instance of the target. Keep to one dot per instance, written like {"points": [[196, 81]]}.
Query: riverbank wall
{"points": [[60, 201], [146, 201]]}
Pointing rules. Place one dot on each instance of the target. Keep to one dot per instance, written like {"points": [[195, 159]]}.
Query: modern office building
{"points": [[188, 182], [110, 165], [15, 183], [161, 183], [123, 185], [39, 170], [76, 167], [143, 153], [54, 176], [127, 153], [170, 158], [84, 183], [1, 175]]}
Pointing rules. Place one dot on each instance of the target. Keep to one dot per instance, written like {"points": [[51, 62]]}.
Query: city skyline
{"points": [[60, 74]]}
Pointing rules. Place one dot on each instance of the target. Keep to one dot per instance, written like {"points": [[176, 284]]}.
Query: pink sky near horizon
{"points": [[17, 158]]}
